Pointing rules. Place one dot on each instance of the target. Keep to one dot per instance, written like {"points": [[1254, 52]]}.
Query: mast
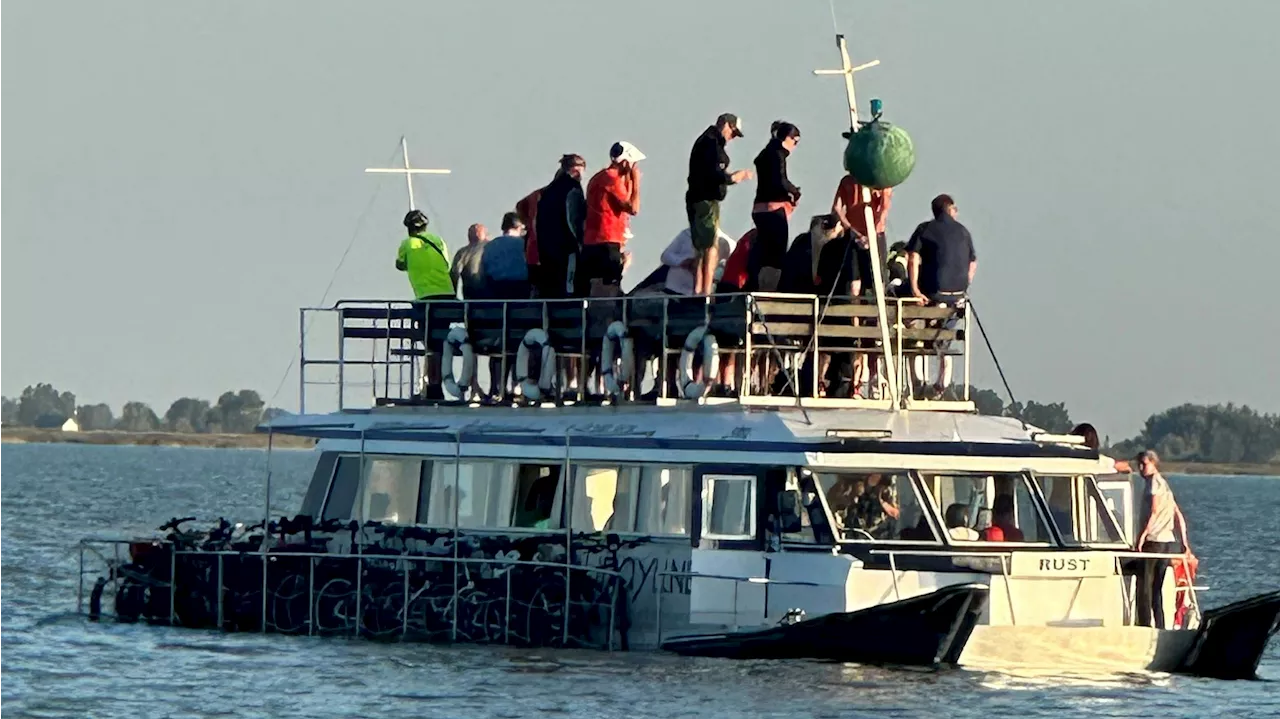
{"points": [[407, 171], [847, 69]]}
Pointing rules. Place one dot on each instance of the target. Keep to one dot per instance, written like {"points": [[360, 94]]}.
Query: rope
{"points": [[329, 287], [994, 358]]}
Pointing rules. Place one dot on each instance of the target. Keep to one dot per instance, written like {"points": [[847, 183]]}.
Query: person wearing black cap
{"points": [[709, 178], [423, 256]]}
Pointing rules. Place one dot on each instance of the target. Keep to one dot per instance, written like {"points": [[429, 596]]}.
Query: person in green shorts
{"points": [[709, 178], [424, 257]]}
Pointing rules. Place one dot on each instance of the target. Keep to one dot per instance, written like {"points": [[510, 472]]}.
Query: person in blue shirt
{"points": [[504, 270]]}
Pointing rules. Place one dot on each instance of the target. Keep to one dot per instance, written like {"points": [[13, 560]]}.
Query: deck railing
{"points": [[376, 351], [485, 600]]}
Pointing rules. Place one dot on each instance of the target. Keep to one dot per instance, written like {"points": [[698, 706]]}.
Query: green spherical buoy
{"points": [[880, 155]]}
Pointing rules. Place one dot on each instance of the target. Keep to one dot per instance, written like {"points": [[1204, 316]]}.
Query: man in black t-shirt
{"points": [[940, 265], [836, 267], [940, 256]]}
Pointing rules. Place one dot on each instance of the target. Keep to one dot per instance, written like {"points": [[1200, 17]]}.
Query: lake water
{"points": [[56, 664]]}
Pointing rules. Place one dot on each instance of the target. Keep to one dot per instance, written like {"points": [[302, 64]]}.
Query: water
{"points": [[56, 664]]}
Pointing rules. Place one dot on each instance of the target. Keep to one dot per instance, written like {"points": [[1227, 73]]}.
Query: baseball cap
{"points": [[732, 121], [623, 150]]}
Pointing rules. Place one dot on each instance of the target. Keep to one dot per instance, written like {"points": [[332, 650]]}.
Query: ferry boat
{"points": [[769, 524]]}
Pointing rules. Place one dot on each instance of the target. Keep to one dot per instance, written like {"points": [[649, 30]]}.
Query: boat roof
{"points": [[700, 433]]}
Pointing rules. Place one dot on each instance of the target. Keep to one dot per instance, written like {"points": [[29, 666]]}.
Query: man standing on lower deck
{"points": [[709, 178], [1159, 516]]}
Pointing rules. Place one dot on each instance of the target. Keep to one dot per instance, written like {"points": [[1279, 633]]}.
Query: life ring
{"points": [[699, 339], [536, 339], [458, 342], [617, 342]]}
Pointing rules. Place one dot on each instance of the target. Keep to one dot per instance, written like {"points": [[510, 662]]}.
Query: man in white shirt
{"points": [[681, 260]]}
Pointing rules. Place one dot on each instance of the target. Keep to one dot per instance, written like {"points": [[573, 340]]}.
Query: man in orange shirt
{"points": [[613, 196]]}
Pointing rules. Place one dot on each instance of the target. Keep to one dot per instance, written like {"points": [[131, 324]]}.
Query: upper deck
{"points": [[372, 353]]}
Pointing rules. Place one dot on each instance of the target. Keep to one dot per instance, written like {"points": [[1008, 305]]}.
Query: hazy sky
{"points": [[179, 177]]}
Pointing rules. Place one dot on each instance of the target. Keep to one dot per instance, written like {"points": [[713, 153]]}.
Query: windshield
{"points": [[875, 506]]}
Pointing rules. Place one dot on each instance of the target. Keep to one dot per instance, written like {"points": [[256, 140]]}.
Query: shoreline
{"points": [[32, 435]]}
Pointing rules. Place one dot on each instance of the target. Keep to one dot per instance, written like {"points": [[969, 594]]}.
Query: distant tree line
{"points": [[1188, 433], [44, 406]]}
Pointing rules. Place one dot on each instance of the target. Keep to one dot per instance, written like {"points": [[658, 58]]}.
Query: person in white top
{"points": [[1160, 517], [681, 260]]}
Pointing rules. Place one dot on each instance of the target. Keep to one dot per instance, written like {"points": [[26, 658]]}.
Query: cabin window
{"points": [[342, 489], [1115, 492], [990, 508], [664, 504], [1058, 495], [389, 492], [876, 506], [538, 497], [728, 506], [480, 492], [604, 499]]}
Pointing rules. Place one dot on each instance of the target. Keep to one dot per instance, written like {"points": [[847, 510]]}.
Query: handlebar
{"points": [[172, 524]]}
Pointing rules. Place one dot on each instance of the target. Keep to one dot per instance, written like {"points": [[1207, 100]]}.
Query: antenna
{"points": [[407, 171], [847, 69]]}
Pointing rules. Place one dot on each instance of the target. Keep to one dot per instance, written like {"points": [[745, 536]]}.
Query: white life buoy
{"points": [[699, 340], [536, 339], [617, 342], [454, 343]]}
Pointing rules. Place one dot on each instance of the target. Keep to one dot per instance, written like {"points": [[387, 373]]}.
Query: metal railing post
{"points": [[342, 346], [263, 624], [506, 618], [893, 572], [1008, 591], [404, 611], [173, 580], [359, 589], [735, 605], [220, 618], [311, 595], [302, 360], [658, 586]]}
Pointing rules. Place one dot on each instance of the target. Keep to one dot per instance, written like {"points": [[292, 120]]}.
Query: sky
{"points": [[180, 177]]}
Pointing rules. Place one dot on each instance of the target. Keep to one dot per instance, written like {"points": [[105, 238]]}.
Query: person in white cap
{"points": [[613, 197]]}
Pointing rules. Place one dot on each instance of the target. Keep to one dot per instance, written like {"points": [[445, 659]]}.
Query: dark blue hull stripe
{"points": [[835, 446]]}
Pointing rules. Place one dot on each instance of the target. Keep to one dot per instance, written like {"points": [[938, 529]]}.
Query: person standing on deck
{"points": [[466, 264], [423, 257], [1159, 515], [504, 271], [613, 197], [775, 200], [849, 207], [558, 221], [709, 179], [941, 263]]}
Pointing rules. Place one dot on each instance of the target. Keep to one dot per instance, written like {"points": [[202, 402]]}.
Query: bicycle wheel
{"points": [[290, 606], [545, 616], [380, 610], [335, 607], [131, 600]]}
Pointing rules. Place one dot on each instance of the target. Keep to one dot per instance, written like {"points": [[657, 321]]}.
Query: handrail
{"points": [[608, 590], [1006, 569], [391, 369]]}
